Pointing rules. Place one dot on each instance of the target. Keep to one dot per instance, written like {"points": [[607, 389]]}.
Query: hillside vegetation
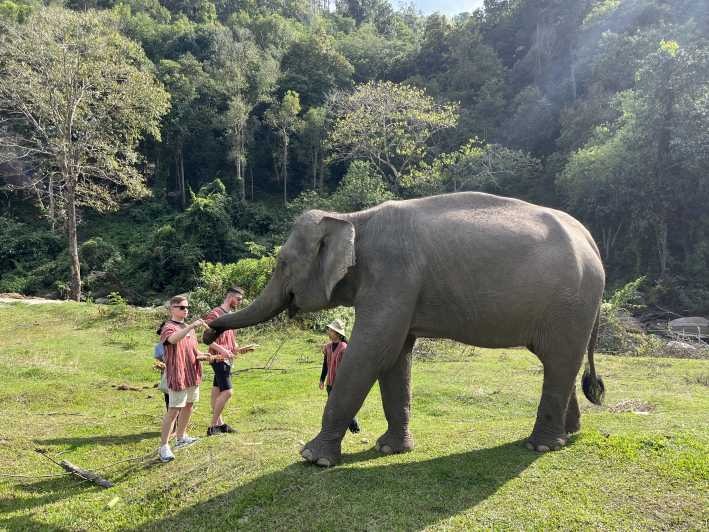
{"points": [[205, 125]]}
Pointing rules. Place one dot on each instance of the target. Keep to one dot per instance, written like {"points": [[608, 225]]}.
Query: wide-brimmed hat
{"points": [[338, 327]]}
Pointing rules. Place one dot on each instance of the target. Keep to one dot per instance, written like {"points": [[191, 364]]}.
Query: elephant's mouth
{"points": [[292, 307]]}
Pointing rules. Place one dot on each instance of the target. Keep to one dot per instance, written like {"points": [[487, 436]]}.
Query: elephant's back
{"points": [[498, 261]]}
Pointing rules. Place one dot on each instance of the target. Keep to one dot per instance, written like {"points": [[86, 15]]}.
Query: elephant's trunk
{"points": [[271, 302]]}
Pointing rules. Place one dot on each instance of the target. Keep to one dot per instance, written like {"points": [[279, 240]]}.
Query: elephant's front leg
{"points": [[355, 377], [395, 386], [373, 347]]}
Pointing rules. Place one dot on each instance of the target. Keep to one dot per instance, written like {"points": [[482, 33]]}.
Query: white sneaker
{"points": [[165, 453], [185, 441]]}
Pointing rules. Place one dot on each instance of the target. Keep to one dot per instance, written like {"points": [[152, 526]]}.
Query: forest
{"points": [[147, 148]]}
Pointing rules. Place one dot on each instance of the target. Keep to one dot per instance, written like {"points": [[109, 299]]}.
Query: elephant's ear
{"points": [[337, 251]]}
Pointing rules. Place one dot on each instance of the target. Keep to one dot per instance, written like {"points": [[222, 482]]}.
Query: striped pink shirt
{"points": [[333, 359], [227, 339], [181, 364]]}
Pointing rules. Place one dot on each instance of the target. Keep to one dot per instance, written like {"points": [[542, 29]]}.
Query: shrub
{"points": [[214, 279], [318, 321], [613, 336], [14, 282], [94, 253], [362, 187], [26, 247], [258, 218]]}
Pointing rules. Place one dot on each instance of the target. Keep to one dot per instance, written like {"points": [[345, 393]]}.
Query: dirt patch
{"points": [[632, 405], [126, 387], [12, 297]]}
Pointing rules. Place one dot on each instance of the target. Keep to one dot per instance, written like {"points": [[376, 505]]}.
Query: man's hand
{"points": [[197, 324], [247, 348], [158, 365], [322, 385]]}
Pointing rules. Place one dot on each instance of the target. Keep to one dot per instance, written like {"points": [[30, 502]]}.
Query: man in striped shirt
{"points": [[223, 351], [183, 372]]}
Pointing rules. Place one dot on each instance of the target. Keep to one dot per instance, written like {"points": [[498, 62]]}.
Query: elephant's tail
{"points": [[592, 384]]}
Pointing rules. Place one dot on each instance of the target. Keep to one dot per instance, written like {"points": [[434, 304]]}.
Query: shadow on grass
{"points": [[408, 496], [23, 523], [38, 494], [99, 440]]}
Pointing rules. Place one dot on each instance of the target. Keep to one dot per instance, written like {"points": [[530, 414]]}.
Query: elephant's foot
{"points": [[324, 453], [543, 443], [390, 443], [573, 425]]}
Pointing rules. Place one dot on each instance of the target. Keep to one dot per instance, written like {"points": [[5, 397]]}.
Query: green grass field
{"points": [[639, 462]]}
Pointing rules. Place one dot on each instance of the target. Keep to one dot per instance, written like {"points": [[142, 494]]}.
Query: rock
{"points": [[695, 326], [674, 345], [693, 321], [101, 301]]}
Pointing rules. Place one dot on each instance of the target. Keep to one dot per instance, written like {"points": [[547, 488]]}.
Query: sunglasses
{"points": [[181, 307]]}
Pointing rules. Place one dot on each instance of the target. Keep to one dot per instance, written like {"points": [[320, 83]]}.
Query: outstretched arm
{"points": [[184, 331]]}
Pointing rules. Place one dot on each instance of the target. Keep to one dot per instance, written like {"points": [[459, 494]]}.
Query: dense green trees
{"points": [[75, 99], [598, 107], [390, 125]]}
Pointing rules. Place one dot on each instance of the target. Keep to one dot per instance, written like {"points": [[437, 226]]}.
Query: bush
{"points": [[613, 335], [318, 321], [95, 253], [362, 187], [26, 247], [214, 279], [258, 218], [14, 282]]}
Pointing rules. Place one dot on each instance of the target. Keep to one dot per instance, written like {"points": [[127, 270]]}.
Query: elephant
{"points": [[481, 269]]}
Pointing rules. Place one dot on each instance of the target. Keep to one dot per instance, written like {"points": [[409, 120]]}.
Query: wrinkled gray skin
{"points": [[480, 269]]}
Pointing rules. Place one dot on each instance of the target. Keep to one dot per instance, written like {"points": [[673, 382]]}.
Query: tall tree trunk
{"points": [[240, 168], [180, 170], [285, 170], [52, 212], [314, 161], [662, 252], [321, 183], [608, 237], [663, 174], [75, 282]]}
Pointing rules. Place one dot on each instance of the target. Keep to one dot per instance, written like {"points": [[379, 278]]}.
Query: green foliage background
{"points": [[596, 107]]}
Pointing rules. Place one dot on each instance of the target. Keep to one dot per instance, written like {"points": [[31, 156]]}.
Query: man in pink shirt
{"points": [[183, 373], [223, 351]]}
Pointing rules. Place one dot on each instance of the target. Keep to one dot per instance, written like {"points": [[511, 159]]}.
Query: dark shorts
{"points": [[222, 376]]}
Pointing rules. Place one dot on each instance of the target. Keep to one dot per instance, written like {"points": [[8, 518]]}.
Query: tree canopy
{"points": [[597, 107]]}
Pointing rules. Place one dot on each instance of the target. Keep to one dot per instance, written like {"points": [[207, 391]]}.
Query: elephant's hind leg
{"points": [[395, 386], [551, 428], [573, 414]]}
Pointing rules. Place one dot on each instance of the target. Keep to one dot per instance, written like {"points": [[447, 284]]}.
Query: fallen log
{"points": [[85, 474]]}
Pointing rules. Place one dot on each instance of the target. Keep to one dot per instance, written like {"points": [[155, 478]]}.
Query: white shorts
{"points": [[181, 398]]}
